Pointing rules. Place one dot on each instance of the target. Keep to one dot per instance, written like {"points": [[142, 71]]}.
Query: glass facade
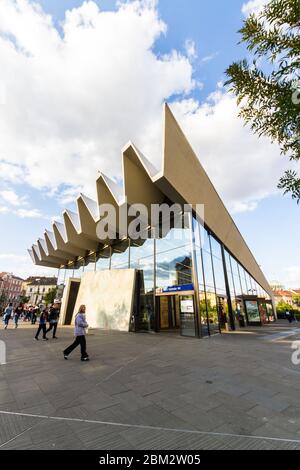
{"points": [[187, 281]]}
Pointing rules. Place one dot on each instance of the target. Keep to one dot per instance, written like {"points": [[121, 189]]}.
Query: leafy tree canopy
{"points": [[268, 88]]}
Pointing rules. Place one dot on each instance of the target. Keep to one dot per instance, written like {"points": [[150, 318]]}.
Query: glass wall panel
{"points": [[208, 271], [243, 280], [61, 276], [174, 259], [236, 276], [90, 263], [212, 310], [212, 313], [198, 231], [142, 259], [120, 256], [103, 259], [219, 276]]}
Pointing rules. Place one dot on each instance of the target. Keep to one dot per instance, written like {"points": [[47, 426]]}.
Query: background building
{"points": [[35, 288], [287, 297], [10, 289]]}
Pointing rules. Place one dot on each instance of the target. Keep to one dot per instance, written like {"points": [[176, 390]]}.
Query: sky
{"points": [[78, 80]]}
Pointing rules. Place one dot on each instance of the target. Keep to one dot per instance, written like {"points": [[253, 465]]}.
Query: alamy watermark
{"points": [[139, 222], [296, 354], [2, 352]]}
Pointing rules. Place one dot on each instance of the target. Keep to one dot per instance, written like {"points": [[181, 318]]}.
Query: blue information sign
{"points": [[183, 288]]}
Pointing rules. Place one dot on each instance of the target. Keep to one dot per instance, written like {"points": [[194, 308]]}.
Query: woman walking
{"points": [[80, 327]]}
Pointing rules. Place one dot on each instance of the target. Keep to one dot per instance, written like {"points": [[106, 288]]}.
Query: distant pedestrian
{"points": [[80, 331], [17, 314], [8, 314], [53, 319], [42, 325], [33, 315], [288, 316], [293, 316]]}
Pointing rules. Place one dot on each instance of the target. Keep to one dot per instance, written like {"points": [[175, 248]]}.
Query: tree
{"points": [[282, 305], [24, 299], [268, 89], [296, 299], [50, 296], [3, 299]]}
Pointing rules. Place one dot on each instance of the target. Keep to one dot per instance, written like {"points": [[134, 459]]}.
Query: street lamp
{"points": [[252, 290]]}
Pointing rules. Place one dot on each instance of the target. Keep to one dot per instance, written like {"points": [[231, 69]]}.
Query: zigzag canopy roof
{"points": [[181, 179]]}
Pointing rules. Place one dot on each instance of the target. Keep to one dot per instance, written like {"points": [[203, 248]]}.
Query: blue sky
{"points": [[268, 222]]}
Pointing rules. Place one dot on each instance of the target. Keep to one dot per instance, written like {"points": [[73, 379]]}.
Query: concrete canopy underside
{"points": [[182, 179]]}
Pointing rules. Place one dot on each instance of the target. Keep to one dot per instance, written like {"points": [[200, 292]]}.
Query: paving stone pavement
{"points": [[237, 390]]}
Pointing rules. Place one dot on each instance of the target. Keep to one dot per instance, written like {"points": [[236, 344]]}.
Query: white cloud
{"points": [[253, 6], [31, 213], [190, 48], [73, 101], [11, 197], [22, 266], [208, 58], [291, 277], [18, 205], [3, 210], [243, 168]]}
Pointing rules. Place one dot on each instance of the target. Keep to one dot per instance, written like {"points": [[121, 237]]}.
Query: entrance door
{"points": [[169, 312], [177, 314], [74, 288], [222, 307], [187, 315]]}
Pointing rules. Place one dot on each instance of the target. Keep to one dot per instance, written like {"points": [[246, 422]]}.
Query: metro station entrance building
{"points": [[196, 280]]}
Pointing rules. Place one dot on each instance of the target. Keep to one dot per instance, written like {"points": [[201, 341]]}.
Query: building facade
{"points": [[286, 296], [36, 288], [10, 289], [196, 279]]}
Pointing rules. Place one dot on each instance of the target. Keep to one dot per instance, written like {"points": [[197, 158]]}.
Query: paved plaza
{"points": [[237, 390]]}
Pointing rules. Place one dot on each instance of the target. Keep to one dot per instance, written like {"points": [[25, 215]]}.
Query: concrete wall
{"points": [[108, 296], [65, 299]]}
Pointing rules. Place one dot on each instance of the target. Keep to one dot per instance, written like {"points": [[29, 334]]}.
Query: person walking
{"points": [[7, 314], [42, 325], [33, 315], [17, 314], [80, 332], [288, 316], [53, 320]]}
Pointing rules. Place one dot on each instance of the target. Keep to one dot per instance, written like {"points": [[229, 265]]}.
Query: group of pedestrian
{"points": [[13, 313], [50, 315]]}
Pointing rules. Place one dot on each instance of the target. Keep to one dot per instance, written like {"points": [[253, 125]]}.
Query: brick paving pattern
{"points": [[143, 391]]}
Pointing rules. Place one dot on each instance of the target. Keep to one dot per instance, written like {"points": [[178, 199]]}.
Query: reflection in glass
{"points": [[120, 255], [145, 319], [212, 313], [174, 259]]}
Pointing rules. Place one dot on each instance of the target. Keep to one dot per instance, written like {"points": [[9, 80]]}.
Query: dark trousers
{"points": [[54, 326], [78, 340], [42, 327]]}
